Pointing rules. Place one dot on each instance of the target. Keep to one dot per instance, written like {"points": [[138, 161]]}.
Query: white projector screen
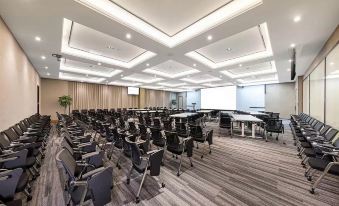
{"points": [[133, 91], [224, 98]]}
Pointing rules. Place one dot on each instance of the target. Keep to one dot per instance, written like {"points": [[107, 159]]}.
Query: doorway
{"points": [[180, 102], [38, 99]]}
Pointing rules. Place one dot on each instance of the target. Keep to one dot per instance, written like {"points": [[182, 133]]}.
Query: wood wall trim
{"points": [[330, 44]]}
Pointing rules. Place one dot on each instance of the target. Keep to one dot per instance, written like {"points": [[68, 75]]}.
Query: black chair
{"points": [[179, 147], [84, 181], [197, 133], [143, 162], [9, 181], [225, 123], [274, 126], [157, 138], [328, 163]]}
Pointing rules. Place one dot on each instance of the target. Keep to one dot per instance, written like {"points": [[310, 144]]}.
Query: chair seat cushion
{"points": [[176, 149], [320, 164], [309, 152], [306, 145]]}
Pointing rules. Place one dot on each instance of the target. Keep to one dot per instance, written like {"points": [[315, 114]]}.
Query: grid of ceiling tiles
{"points": [[219, 63]]}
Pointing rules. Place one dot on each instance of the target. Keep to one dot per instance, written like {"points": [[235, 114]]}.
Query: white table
{"points": [[137, 110], [183, 115], [205, 111], [150, 111], [246, 118], [254, 113]]}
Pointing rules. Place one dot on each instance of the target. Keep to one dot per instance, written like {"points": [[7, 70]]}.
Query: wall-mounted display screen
{"points": [[133, 91], [224, 98]]}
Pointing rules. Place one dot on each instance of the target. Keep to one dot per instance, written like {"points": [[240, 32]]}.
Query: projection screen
{"points": [[224, 98]]}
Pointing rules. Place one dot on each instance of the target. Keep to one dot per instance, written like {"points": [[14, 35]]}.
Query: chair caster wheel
{"points": [[309, 178], [304, 166], [29, 190], [137, 200], [210, 152], [163, 185], [128, 180], [29, 198], [266, 141], [312, 191], [178, 174], [118, 166], [202, 156], [162, 164], [191, 165]]}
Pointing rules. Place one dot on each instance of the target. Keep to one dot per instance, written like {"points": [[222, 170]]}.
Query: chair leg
{"points": [[320, 178], [142, 182], [190, 161], [178, 173], [265, 136], [118, 162], [129, 175]]}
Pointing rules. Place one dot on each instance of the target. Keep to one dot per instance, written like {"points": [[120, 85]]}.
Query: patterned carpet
{"points": [[240, 171]]}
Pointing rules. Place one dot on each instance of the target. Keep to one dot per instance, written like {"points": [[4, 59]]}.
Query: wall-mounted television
{"points": [[133, 91], [293, 72]]}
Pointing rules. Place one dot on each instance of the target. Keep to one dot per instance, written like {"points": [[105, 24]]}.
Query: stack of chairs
{"points": [[22, 148], [318, 146]]}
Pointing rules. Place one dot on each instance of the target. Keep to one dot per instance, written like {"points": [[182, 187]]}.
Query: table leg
{"points": [[242, 129], [253, 130]]}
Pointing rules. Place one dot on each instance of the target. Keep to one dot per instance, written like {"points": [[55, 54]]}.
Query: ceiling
{"points": [[170, 44]]}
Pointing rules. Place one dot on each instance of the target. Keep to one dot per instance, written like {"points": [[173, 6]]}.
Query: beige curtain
{"points": [[97, 96]]}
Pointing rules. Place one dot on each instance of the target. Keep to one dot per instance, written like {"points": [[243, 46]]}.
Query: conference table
{"points": [[246, 118], [204, 111], [255, 113], [150, 111], [183, 115]]}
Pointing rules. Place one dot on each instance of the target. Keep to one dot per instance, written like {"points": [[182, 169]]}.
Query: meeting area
{"points": [[169, 102]]}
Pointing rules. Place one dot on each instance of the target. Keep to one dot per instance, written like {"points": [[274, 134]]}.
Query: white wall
{"points": [[18, 81], [193, 97], [281, 98], [251, 96]]}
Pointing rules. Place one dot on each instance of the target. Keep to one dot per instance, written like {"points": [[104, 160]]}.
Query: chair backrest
{"points": [[68, 163], [135, 152], [274, 125], [99, 186], [11, 134], [225, 121], [196, 131], [8, 182], [331, 134], [155, 133], [172, 139], [318, 126], [324, 130], [275, 115], [4, 141]]}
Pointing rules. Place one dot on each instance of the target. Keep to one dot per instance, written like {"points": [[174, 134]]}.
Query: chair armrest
{"points": [[88, 155], [92, 172], [2, 160], [84, 145]]}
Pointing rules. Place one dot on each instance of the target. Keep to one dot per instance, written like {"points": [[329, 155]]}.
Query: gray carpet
{"points": [[240, 171]]}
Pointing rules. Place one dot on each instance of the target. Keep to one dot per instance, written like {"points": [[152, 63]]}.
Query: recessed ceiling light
{"points": [[128, 36], [297, 18], [86, 75], [220, 76], [292, 45], [240, 65], [37, 38], [331, 63], [46, 67], [110, 47], [209, 37], [194, 65], [147, 64], [99, 63], [290, 60], [288, 69], [48, 74], [121, 75], [43, 57], [229, 49]]}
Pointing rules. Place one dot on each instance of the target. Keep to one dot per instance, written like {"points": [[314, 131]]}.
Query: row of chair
{"points": [[22, 149], [318, 146]]}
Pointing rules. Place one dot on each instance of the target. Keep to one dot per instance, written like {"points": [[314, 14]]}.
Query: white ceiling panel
{"points": [[80, 78], [172, 83], [171, 69], [98, 43], [125, 83], [86, 68], [171, 16], [144, 78], [203, 78], [239, 45], [256, 69]]}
